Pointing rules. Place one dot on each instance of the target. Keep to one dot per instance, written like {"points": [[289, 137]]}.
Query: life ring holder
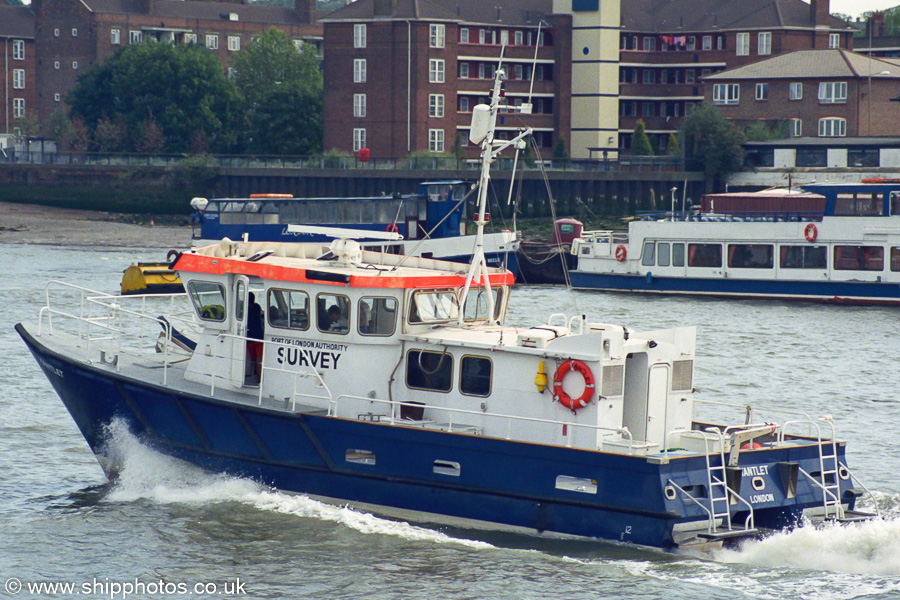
{"points": [[561, 396], [621, 253], [811, 233]]}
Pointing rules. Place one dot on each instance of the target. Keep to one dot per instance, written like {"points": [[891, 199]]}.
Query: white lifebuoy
{"points": [[621, 253]]}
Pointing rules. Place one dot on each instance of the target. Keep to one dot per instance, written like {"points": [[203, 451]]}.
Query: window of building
{"points": [[751, 256], [377, 316], [56, 97], [56, 65], [56, 32], [231, 72], [742, 44], [834, 40], [832, 92], [190, 38], [647, 109], [212, 42], [796, 128], [648, 76], [764, 43], [482, 36], [762, 91], [481, 71], [234, 43], [114, 36], [359, 105], [74, 65], [18, 79], [519, 38], [463, 35], [18, 50], [689, 76], [707, 42], [664, 76], [135, 37], [518, 72], [333, 313], [436, 105], [866, 157], [649, 44], [691, 43], [858, 258], [832, 127], [436, 70], [726, 93], [463, 104], [705, 255], [464, 70], [18, 107], [74, 32], [359, 70], [288, 309], [803, 257], [720, 42], [475, 376], [796, 92], [436, 140], [359, 139], [436, 35], [705, 72], [431, 371], [359, 35]]}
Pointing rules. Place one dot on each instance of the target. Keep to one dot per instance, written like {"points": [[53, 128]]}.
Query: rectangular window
{"points": [[803, 257], [720, 42], [18, 107], [649, 44], [518, 72], [333, 313], [648, 76], [832, 92], [74, 65], [481, 71], [464, 35], [56, 97], [475, 376], [858, 258], [689, 76], [18, 79], [208, 300], [742, 44], [436, 70], [56, 65], [190, 38], [647, 109], [377, 316], [678, 254], [751, 256], [482, 36], [648, 259], [234, 43], [705, 255], [18, 49], [288, 309], [663, 254], [436, 140], [436, 35], [431, 371], [895, 259], [726, 93], [762, 91], [359, 139], [360, 457], [796, 128], [359, 105], [74, 32], [796, 92], [463, 104], [359, 35], [114, 36], [691, 43], [433, 307], [519, 38], [135, 37], [504, 38], [464, 70], [707, 42], [834, 40], [764, 45], [212, 42], [832, 127], [664, 76], [359, 70], [436, 105]]}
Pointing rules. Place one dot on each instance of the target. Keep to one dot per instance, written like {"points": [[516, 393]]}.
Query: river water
{"points": [[164, 524]]}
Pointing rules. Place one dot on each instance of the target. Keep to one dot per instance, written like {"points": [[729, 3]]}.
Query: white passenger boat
{"points": [[392, 383], [849, 252]]}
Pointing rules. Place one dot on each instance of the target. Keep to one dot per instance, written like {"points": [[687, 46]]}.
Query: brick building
{"points": [[19, 59], [71, 36], [822, 93]]}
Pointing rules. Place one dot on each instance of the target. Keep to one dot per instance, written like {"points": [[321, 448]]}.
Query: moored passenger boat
{"points": [[392, 382], [848, 252]]}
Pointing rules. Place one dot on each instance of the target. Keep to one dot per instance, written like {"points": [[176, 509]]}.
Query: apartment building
{"points": [[19, 59]]}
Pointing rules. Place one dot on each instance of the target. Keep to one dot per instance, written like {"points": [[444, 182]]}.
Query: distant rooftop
{"points": [[501, 12], [17, 22], [253, 13], [813, 64]]}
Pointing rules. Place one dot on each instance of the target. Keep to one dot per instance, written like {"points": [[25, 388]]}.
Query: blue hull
{"points": [[500, 481], [850, 292]]}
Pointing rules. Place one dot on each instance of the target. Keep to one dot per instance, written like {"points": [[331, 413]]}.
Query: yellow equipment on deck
{"points": [[151, 278]]}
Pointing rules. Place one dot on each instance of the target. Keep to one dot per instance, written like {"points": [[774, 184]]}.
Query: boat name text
{"points": [[755, 470], [760, 498], [51, 369]]}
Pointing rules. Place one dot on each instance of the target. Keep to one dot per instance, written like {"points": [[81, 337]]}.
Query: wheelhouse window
{"points": [[333, 313], [858, 258], [663, 254], [208, 299], [861, 206], [751, 256], [647, 258], [476, 308], [432, 371], [475, 376], [288, 309], [678, 255], [803, 257], [433, 306], [377, 316], [705, 255]]}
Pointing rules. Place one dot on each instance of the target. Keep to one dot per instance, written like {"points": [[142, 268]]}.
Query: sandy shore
{"points": [[30, 224]]}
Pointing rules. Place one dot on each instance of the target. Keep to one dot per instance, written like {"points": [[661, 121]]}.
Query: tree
{"points": [[672, 148], [183, 87], [640, 143], [109, 135], [561, 151], [711, 144], [282, 90]]}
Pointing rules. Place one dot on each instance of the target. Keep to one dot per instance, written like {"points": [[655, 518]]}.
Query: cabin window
{"points": [[705, 255], [239, 301], [863, 206], [333, 313], [895, 203], [477, 303], [858, 258], [751, 256], [377, 316], [288, 309], [433, 306], [895, 259], [662, 254], [475, 376], [208, 299], [803, 257], [678, 255], [648, 260], [432, 371]]}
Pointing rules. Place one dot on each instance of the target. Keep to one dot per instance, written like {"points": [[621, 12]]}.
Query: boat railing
{"points": [[732, 216], [391, 417], [604, 236], [749, 418]]}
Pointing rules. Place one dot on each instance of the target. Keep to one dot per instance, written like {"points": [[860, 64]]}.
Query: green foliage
{"points": [[560, 151], [109, 135], [195, 176], [711, 144], [183, 88], [640, 143], [764, 131], [672, 147], [282, 91], [335, 159]]}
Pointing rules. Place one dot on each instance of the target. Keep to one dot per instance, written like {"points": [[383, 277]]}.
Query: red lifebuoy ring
{"points": [[811, 232], [621, 253], [392, 228], [585, 398]]}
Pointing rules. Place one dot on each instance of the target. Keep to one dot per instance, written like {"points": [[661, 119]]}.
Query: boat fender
{"points": [[392, 228], [561, 396], [621, 253], [811, 232]]}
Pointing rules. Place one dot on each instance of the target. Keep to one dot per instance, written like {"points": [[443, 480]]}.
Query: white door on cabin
{"points": [[657, 399], [239, 294]]}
